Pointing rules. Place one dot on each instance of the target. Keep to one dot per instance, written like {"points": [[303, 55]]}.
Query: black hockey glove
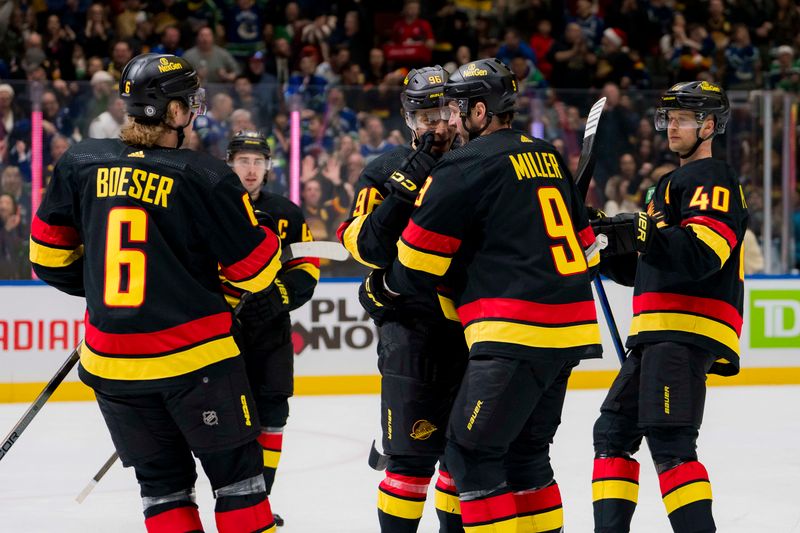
{"points": [[259, 308], [626, 232], [594, 214], [407, 180], [266, 220], [372, 295]]}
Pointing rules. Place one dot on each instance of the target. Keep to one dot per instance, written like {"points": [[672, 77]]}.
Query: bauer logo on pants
{"points": [[775, 318]]}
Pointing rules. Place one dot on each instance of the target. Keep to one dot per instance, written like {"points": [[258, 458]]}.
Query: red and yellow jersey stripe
{"points": [[256, 271], [425, 250], [160, 354], [565, 326], [586, 237], [54, 246], [713, 233]]}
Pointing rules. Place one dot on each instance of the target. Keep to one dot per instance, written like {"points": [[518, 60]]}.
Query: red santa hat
{"points": [[616, 36]]}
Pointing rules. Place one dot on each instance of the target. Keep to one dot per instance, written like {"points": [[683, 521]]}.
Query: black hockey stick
{"points": [[38, 403], [97, 477], [583, 176]]}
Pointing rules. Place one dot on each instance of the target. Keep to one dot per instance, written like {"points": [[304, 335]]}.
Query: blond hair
{"points": [[148, 135]]}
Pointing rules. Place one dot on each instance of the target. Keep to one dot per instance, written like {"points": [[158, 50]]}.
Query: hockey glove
{"points": [[259, 308], [407, 180], [267, 221], [374, 298], [626, 232]]}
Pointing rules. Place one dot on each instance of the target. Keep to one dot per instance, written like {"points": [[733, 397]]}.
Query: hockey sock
{"points": [[271, 441], [448, 508], [183, 519], [539, 510], [494, 513], [686, 492], [400, 502], [615, 491], [257, 516]]}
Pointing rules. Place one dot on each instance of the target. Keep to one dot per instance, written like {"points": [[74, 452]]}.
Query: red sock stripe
{"points": [[681, 475], [445, 482], [616, 468], [405, 486], [254, 518], [486, 510], [528, 502], [271, 441], [179, 520]]}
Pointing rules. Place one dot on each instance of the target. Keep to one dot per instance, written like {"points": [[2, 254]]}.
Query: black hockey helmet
{"points": [[488, 80], [150, 81], [249, 141], [423, 88], [702, 97]]}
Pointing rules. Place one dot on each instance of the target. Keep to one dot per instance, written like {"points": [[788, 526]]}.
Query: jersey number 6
{"points": [[125, 267]]}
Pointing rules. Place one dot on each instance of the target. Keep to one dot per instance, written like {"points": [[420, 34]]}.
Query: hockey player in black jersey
{"points": [[684, 259], [141, 230], [421, 349], [266, 340], [502, 216]]}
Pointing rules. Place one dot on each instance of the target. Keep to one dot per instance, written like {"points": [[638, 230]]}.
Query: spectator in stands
{"points": [[203, 14], [243, 22], [309, 87], [278, 63], [541, 42], [753, 256], [374, 143], [59, 42], [693, 54], [591, 25], [742, 69], [315, 141], [784, 73], [293, 23], [13, 241], [170, 42], [318, 216], [339, 118], [572, 60], [412, 37], [143, 39], [102, 89], [513, 46], [613, 62], [787, 22], [55, 119], [718, 24], [58, 145], [34, 57], [352, 35], [8, 115], [613, 135], [97, 34], [377, 68], [331, 69], [214, 127], [13, 184], [125, 22], [121, 54], [242, 120], [219, 64], [318, 32], [108, 124]]}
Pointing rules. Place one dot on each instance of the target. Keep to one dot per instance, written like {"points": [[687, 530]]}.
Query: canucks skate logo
{"points": [[473, 70], [210, 418], [422, 430]]}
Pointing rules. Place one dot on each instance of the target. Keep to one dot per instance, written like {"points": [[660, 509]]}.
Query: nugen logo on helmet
{"points": [[473, 70]]}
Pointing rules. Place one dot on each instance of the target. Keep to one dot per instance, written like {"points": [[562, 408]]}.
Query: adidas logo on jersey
{"points": [[524, 139], [140, 153]]}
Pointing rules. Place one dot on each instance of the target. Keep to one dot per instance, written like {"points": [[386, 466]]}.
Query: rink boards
{"points": [[335, 342]]}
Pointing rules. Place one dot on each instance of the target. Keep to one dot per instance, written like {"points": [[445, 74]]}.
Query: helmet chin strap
{"points": [[697, 144], [476, 132], [179, 130]]}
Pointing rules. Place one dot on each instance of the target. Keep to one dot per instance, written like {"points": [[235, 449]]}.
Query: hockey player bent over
{"points": [[266, 326], [686, 255], [139, 228], [502, 215], [421, 349]]}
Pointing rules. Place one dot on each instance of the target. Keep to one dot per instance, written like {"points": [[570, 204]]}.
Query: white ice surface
{"points": [[749, 443]]}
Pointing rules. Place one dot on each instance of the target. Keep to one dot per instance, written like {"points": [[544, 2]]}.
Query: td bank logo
{"points": [[775, 319]]}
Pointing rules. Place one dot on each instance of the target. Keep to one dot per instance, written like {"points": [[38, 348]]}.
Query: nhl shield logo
{"points": [[210, 418]]}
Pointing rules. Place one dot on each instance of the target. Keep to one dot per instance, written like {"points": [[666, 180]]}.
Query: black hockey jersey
{"points": [[690, 284], [299, 276], [375, 223], [140, 232], [504, 209]]}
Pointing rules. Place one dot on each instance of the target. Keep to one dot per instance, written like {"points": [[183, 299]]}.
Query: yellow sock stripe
{"points": [[615, 489], [693, 492], [447, 503], [541, 522], [508, 525], [271, 458], [400, 507]]}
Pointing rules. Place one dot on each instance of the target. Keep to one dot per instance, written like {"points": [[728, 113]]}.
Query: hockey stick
{"points": [[322, 249], [97, 477], [38, 403], [583, 176]]}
